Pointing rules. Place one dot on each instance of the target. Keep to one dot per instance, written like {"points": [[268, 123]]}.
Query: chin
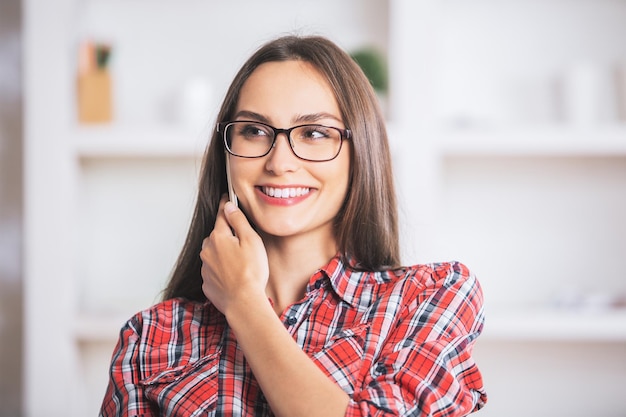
{"points": [[280, 231]]}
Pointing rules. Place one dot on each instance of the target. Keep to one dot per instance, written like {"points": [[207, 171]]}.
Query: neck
{"points": [[292, 261]]}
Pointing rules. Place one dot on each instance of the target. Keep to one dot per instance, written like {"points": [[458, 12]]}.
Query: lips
{"points": [[285, 192]]}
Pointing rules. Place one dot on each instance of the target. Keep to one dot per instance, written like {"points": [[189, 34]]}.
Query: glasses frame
{"points": [[344, 134]]}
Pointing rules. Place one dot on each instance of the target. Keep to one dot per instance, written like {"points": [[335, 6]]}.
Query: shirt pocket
{"points": [[342, 357], [185, 390]]}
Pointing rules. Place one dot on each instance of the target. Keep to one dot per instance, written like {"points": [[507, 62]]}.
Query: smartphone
{"points": [[231, 192]]}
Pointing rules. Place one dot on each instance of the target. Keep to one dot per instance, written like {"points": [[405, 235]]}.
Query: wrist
{"points": [[247, 308]]}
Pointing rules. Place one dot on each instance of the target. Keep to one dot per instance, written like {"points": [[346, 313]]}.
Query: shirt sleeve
{"points": [[425, 366], [124, 395]]}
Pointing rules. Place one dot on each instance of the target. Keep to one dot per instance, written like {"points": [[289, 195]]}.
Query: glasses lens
{"points": [[248, 139], [315, 142]]}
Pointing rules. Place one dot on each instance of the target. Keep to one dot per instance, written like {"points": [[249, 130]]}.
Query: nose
{"points": [[281, 158]]}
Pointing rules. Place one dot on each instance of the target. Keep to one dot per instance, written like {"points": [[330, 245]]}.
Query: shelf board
{"points": [[170, 141], [546, 325], [557, 325], [541, 141], [137, 142], [98, 328]]}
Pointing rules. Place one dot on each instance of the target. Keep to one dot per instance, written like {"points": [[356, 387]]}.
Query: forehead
{"points": [[286, 88]]}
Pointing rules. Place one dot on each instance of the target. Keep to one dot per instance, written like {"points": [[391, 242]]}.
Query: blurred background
{"points": [[507, 121]]}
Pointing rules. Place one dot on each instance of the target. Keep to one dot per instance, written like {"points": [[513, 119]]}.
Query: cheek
{"points": [[339, 180], [243, 171]]}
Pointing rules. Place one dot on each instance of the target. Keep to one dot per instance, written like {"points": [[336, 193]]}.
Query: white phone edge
{"points": [[231, 191]]}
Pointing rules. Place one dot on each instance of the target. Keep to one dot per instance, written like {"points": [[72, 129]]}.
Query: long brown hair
{"points": [[366, 226]]}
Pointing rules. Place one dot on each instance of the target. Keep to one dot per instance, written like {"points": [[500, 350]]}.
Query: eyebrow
{"points": [[303, 118]]}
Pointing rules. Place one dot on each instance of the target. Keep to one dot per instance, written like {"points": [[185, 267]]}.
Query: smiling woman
{"points": [[289, 93], [294, 302]]}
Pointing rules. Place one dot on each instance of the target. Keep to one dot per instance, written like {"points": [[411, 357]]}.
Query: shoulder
{"points": [[439, 275], [435, 275], [445, 292], [443, 286], [408, 284], [171, 314], [169, 334]]}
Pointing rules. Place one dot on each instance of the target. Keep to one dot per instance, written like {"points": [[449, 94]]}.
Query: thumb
{"points": [[237, 220]]}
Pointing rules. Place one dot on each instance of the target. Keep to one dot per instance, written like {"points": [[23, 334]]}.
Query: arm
{"points": [[124, 396], [421, 365], [425, 365], [290, 380]]}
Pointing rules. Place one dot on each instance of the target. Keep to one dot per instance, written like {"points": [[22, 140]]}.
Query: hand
{"points": [[234, 267]]}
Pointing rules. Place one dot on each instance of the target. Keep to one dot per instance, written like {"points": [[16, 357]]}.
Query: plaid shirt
{"points": [[398, 342]]}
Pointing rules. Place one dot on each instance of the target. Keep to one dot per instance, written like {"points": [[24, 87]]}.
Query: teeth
{"points": [[286, 192]]}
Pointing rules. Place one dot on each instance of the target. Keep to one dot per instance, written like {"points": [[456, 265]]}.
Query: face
{"points": [[281, 194]]}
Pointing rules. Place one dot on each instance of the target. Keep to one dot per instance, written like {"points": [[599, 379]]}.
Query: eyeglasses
{"points": [[311, 142]]}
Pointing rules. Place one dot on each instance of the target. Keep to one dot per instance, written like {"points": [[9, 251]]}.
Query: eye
{"points": [[315, 133], [252, 130]]}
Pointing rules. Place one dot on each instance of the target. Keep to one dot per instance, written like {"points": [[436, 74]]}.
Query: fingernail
{"points": [[229, 207]]}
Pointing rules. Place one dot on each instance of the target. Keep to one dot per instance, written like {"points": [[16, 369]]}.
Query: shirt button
{"points": [[381, 369], [291, 320], [318, 284]]}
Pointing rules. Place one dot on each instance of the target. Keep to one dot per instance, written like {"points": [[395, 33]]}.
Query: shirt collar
{"points": [[347, 283]]}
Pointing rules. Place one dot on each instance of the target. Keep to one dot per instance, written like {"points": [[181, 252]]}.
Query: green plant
{"points": [[374, 66]]}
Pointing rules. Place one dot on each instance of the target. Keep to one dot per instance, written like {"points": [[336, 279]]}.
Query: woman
{"points": [[295, 303]]}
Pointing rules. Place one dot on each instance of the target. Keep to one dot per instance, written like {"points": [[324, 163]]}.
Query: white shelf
{"points": [[98, 328], [137, 142], [546, 325], [168, 141], [557, 325], [541, 141]]}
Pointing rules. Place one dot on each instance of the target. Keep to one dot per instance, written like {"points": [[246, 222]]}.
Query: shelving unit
{"points": [[107, 206], [530, 199]]}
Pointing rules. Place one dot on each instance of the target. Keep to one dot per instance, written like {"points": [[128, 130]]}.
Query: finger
{"points": [[221, 223], [208, 250], [237, 220]]}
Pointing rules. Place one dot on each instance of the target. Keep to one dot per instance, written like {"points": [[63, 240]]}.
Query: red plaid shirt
{"points": [[398, 342]]}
